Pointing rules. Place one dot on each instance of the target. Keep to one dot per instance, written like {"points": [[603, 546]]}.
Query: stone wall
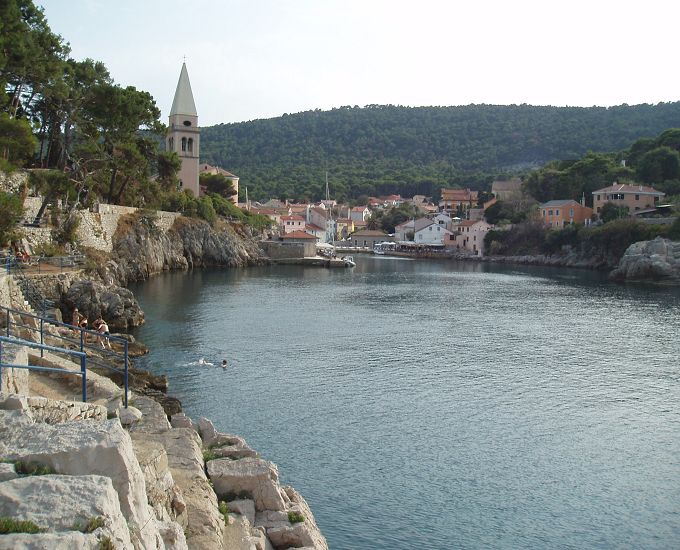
{"points": [[12, 183], [279, 250], [14, 380], [97, 228]]}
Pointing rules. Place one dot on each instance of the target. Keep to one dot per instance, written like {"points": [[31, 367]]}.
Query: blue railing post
{"points": [[8, 321], [42, 336], [83, 372], [82, 334], [125, 351], [0, 366]]}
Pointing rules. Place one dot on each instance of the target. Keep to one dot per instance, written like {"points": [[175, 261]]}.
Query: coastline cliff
{"points": [[147, 476]]}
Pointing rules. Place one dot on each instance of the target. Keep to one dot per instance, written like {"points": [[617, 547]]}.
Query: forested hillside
{"points": [[389, 149]]}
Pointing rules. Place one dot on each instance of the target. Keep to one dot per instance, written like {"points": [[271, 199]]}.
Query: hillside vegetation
{"points": [[382, 149]]}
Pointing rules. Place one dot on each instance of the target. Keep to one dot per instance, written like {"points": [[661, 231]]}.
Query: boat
{"points": [[384, 247]]}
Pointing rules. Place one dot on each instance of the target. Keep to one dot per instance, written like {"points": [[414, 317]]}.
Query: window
{"points": [[598, 197], [184, 144], [190, 144], [187, 123], [571, 212], [171, 144], [549, 212], [557, 212], [637, 197], [544, 213]]}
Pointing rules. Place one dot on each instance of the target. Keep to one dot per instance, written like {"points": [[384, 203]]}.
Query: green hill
{"points": [[382, 149]]}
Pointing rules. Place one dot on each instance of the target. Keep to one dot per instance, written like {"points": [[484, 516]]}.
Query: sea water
{"points": [[440, 405]]}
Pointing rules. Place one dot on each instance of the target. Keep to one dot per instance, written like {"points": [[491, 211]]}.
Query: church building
{"points": [[184, 134]]}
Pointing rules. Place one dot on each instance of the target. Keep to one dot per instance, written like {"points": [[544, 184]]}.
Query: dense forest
{"points": [[381, 149]]}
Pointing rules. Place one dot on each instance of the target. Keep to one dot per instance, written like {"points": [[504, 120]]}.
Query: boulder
{"points": [[7, 471], [70, 540], [66, 503], [86, 447], [234, 452], [244, 507], [115, 304], [259, 478], [181, 420], [650, 261]]}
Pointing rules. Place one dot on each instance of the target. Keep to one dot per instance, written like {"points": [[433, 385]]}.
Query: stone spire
{"points": [[184, 134], [183, 104]]}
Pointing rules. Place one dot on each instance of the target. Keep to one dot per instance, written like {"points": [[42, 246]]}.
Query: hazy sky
{"points": [[251, 59]]}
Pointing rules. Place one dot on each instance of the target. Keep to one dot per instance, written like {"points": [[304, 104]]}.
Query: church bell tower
{"points": [[184, 134]]}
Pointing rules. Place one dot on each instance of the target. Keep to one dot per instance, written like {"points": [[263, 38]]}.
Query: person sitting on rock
{"points": [[78, 319]]}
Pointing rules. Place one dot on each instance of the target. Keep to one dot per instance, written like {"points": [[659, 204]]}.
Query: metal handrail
{"points": [[43, 347], [80, 341]]}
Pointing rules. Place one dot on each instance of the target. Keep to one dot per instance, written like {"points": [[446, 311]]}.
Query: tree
{"points": [[17, 143], [659, 164], [11, 210], [611, 211], [217, 183]]}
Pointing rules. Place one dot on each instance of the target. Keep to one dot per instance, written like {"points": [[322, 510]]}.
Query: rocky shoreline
{"points": [[146, 476]]}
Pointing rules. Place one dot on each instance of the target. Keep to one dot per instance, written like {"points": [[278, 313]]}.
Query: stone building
{"points": [[184, 134]]}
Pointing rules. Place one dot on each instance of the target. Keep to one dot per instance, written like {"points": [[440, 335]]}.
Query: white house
{"points": [[432, 234], [359, 213]]}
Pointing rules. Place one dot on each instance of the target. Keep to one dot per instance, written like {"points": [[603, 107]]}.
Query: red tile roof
{"points": [[298, 235], [626, 188]]}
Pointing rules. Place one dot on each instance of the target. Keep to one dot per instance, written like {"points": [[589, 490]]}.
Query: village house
{"points": [[368, 237], [457, 200], [432, 234], [289, 224], [343, 228], [359, 213], [560, 213], [301, 238], [468, 236], [507, 190], [217, 171], [271, 213], [633, 197], [406, 231], [316, 231]]}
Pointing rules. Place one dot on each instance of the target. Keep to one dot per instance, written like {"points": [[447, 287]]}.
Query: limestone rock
{"points": [[129, 416], [254, 476], [7, 471], [207, 431], [173, 536], [65, 503], [70, 540], [181, 420], [651, 261], [115, 304], [245, 507], [81, 448], [234, 452]]}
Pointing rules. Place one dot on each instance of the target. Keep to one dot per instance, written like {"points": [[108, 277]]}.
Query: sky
{"points": [[250, 59]]}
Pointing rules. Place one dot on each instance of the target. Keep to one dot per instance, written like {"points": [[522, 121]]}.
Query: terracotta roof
{"points": [[369, 233], [314, 227], [458, 195], [264, 211], [469, 223], [558, 202], [358, 208], [625, 188], [298, 235]]}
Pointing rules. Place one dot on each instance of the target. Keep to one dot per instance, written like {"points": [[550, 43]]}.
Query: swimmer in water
{"points": [[224, 363]]}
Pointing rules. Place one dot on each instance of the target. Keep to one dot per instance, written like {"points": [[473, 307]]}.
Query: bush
{"points": [[674, 230], [295, 517], [11, 211], [224, 510], [12, 525]]}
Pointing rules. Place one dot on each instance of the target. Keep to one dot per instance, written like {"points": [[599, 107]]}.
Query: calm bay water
{"points": [[439, 405]]}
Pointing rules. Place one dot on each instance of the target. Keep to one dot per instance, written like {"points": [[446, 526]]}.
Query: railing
{"points": [[69, 337], [42, 263], [42, 347]]}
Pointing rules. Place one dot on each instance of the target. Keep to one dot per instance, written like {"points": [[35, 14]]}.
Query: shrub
{"points": [[33, 469], [295, 517], [11, 211], [224, 510], [12, 525], [106, 544]]}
